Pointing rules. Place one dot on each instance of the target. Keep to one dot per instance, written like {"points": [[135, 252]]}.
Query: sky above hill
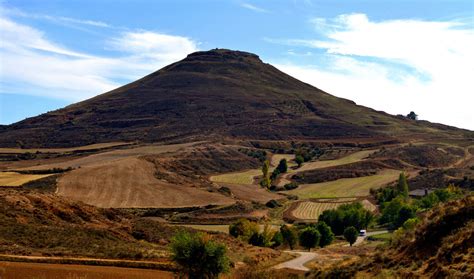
{"points": [[397, 56]]}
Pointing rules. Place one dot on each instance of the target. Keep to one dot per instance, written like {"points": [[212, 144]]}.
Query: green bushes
{"points": [[198, 256], [243, 229], [327, 236]]}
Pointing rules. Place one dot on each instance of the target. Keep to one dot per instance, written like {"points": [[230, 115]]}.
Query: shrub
{"points": [[350, 234], [299, 160], [198, 256], [243, 229], [291, 186]]}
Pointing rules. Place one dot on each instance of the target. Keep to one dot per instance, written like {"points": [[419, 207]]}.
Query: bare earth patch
{"points": [[130, 182]]}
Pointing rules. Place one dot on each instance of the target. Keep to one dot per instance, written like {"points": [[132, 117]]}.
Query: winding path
{"points": [[297, 263]]}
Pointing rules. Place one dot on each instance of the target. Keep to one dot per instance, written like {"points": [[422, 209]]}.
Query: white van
{"points": [[362, 233]]}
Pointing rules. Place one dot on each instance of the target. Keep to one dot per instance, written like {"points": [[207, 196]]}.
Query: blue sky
{"points": [[394, 56]]}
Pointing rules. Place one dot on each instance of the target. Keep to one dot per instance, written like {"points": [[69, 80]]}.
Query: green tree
{"points": [[412, 115], [406, 212], [289, 235], [283, 166], [277, 239], [265, 179], [350, 234], [402, 185], [327, 236], [299, 160], [243, 229], [309, 237], [198, 256]]}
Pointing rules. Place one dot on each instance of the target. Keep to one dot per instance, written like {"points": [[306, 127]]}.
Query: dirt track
{"points": [[130, 182], [15, 270]]}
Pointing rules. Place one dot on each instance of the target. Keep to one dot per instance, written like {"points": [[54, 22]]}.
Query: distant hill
{"points": [[210, 95]]}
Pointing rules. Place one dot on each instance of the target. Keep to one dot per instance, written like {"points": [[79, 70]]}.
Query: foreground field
{"points": [[17, 179], [16, 270], [346, 187], [130, 182]]}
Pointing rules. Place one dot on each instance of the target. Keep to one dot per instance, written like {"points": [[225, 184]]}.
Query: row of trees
{"points": [[268, 178], [308, 236], [347, 215]]}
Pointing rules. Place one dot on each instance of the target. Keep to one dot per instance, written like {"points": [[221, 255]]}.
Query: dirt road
{"points": [[360, 239], [298, 263]]}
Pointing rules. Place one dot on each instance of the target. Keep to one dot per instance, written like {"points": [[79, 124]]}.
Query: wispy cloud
{"points": [[254, 8], [33, 64], [56, 19], [394, 65]]}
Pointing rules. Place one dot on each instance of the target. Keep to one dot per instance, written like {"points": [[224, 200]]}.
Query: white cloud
{"points": [[396, 65], [253, 8], [32, 64]]}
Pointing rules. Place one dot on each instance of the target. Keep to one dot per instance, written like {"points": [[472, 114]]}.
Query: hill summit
{"points": [[211, 94]]}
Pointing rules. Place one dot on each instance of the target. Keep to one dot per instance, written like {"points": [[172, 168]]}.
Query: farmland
{"points": [[346, 187], [14, 179], [41, 270], [130, 182], [352, 158], [245, 177], [312, 209]]}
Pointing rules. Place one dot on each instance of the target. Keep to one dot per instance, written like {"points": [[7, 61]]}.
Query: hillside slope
{"points": [[212, 94]]}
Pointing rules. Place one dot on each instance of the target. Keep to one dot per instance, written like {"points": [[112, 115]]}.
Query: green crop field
{"points": [[245, 177], [346, 187]]}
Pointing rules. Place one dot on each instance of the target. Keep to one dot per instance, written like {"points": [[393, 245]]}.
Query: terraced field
{"points": [[310, 210], [14, 179], [346, 187]]}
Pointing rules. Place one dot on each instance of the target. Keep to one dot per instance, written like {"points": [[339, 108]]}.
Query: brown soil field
{"points": [[16, 270], [62, 150], [130, 182]]}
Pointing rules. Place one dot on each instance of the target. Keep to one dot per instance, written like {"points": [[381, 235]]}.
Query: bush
{"points": [[309, 237], [291, 186], [299, 160], [243, 229], [198, 256], [350, 234]]}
